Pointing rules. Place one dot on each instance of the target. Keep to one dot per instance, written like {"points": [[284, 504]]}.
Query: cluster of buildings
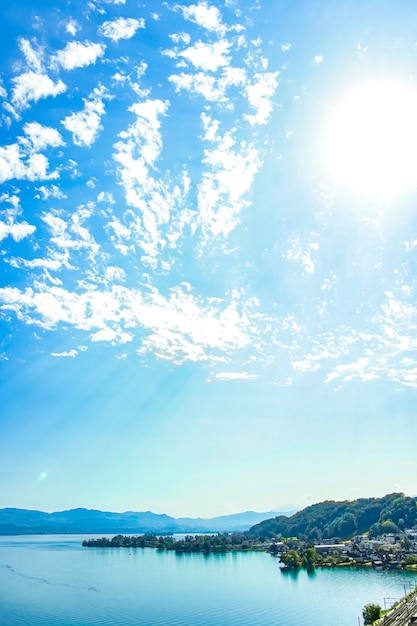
{"points": [[388, 551]]}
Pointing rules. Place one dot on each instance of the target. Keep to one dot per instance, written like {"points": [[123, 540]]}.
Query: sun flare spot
{"points": [[42, 476], [371, 145]]}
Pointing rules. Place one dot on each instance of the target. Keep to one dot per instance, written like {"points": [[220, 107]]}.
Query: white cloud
{"points": [[23, 161], [259, 95], [358, 370], [302, 253], [205, 56], [286, 47], [105, 196], [72, 27], [231, 172], [112, 336], [121, 28], [70, 244], [13, 200], [115, 274], [235, 376], [53, 261], [77, 54], [136, 153], [326, 347], [180, 38], [86, 124], [15, 164], [32, 86], [10, 109], [168, 208], [11, 164], [15, 230], [37, 166], [72, 234], [50, 192], [34, 57], [3, 92], [209, 87], [205, 16], [179, 326], [70, 353], [41, 136]]}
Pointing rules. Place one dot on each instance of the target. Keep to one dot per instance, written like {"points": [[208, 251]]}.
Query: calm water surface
{"points": [[53, 581]]}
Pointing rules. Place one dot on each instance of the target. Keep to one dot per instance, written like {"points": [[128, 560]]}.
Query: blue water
{"points": [[53, 581]]}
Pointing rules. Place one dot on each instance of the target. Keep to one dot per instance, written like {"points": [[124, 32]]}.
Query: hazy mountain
{"points": [[23, 521]]}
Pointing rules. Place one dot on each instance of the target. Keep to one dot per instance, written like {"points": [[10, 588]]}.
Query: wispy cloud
{"points": [[302, 253], [136, 153], [34, 55], [147, 219], [231, 170], [69, 353], [235, 376], [179, 327]]}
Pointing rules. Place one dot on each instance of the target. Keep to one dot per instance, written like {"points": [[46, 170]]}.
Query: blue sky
{"points": [[208, 254]]}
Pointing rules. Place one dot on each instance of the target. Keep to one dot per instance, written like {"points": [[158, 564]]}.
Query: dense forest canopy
{"points": [[392, 513]]}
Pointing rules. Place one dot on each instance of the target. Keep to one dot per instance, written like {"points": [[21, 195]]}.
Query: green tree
{"points": [[388, 526], [291, 558], [345, 526], [410, 559], [371, 612], [311, 558]]}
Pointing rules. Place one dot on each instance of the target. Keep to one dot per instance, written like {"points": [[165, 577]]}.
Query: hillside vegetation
{"points": [[344, 519]]}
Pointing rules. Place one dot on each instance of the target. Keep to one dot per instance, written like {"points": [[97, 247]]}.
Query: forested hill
{"points": [[329, 519]]}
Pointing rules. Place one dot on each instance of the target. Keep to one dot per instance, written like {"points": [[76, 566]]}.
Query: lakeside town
{"points": [[387, 551]]}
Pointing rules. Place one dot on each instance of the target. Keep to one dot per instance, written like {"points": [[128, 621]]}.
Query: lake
{"points": [[54, 581]]}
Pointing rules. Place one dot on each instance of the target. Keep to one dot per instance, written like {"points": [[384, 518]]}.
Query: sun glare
{"points": [[371, 147]]}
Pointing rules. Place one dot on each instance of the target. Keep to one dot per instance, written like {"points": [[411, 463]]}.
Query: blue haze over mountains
{"points": [[23, 521]]}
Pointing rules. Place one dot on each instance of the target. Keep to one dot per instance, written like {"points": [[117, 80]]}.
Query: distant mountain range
{"points": [[90, 521]]}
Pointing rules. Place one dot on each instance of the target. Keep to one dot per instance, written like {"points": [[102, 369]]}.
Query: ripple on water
{"points": [[43, 586]]}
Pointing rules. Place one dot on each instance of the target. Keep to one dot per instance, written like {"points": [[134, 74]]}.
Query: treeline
{"points": [[220, 543], [306, 557], [392, 513]]}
